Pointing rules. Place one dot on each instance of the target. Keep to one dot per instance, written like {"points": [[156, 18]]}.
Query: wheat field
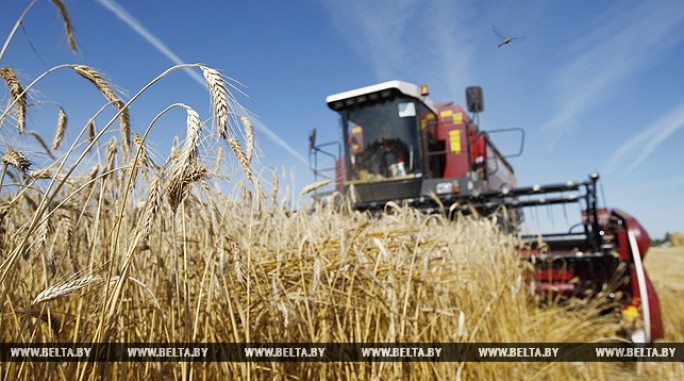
{"points": [[133, 250]]}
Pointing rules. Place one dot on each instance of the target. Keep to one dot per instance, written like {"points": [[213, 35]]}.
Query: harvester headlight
{"points": [[445, 187], [630, 314]]}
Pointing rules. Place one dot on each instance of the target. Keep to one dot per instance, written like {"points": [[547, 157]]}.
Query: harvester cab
{"points": [[399, 146]]}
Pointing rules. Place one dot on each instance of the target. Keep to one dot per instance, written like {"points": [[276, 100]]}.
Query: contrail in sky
{"points": [[131, 21], [643, 144]]}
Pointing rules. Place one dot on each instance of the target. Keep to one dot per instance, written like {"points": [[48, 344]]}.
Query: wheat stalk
{"points": [[56, 291], [18, 95], [61, 129], [67, 24]]}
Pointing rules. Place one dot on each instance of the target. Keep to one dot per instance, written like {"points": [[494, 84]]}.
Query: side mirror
{"points": [[474, 99], [312, 139]]}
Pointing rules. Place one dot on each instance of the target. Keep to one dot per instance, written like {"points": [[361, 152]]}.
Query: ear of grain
{"points": [[67, 24], [56, 291], [42, 143], [91, 178], [16, 159], [143, 157], [43, 173], [110, 154], [92, 131], [153, 204], [219, 98], [184, 167], [179, 184], [313, 186], [192, 137], [16, 91], [249, 136], [217, 162], [95, 78], [44, 316], [241, 156], [275, 188], [61, 129]]}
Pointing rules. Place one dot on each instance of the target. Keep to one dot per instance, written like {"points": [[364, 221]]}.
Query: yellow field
{"points": [[666, 269]]}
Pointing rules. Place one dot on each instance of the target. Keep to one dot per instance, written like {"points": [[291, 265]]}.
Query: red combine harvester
{"points": [[397, 145]]}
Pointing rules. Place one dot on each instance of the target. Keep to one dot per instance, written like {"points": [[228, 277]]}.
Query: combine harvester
{"points": [[398, 146]]}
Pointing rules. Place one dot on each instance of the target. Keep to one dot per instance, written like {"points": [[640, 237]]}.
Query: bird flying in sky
{"points": [[504, 39]]}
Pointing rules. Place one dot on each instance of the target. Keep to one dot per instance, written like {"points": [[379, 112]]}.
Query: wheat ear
{"points": [[249, 136], [179, 184], [16, 159], [144, 158], [54, 292], [241, 156], [67, 24], [219, 98], [18, 95], [61, 129], [95, 78], [153, 204], [313, 186], [110, 155], [92, 131]]}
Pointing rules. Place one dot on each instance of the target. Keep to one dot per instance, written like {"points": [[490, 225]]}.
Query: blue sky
{"points": [[596, 85]]}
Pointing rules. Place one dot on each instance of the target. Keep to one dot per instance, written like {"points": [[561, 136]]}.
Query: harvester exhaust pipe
{"points": [[474, 99]]}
